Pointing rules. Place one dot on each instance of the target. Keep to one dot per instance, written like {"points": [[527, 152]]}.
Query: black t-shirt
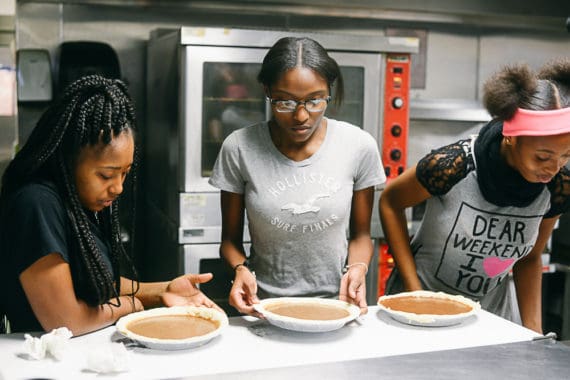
{"points": [[35, 224]]}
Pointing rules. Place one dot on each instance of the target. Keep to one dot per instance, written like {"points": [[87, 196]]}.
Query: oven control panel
{"points": [[396, 114]]}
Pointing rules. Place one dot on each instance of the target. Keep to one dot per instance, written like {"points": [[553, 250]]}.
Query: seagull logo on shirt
{"points": [[306, 207]]}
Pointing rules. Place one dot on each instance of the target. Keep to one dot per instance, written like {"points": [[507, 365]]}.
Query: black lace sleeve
{"points": [[441, 169], [559, 193]]}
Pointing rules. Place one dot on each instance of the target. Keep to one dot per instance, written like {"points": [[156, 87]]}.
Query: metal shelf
{"points": [[448, 109]]}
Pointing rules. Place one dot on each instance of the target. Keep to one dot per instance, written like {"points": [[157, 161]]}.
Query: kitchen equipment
{"points": [[201, 83], [34, 75], [81, 58], [396, 117]]}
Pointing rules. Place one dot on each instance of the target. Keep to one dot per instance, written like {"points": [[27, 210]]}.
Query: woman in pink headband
{"points": [[491, 201]]}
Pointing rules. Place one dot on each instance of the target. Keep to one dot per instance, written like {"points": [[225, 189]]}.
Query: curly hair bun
{"points": [[507, 89]]}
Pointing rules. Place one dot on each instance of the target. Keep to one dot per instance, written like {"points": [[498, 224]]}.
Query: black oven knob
{"points": [[396, 130], [396, 154], [397, 103]]}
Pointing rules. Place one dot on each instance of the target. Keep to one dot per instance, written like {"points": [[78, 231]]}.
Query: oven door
{"points": [[220, 94], [205, 258]]}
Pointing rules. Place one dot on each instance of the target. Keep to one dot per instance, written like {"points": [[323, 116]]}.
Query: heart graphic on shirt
{"points": [[494, 265]]}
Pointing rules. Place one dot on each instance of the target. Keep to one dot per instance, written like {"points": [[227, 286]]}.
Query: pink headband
{"points": [[538, 123]]}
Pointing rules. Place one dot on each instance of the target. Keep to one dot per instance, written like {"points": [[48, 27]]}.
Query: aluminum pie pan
{"points": [[173, 344], [435, 320], [306, 325]]}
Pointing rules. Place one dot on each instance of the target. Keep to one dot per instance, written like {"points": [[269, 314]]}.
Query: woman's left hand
{"points": [[353, 287], [183, 291]]}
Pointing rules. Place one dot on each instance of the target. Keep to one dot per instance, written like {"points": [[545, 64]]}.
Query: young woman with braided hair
{"points": [[492, 200], [60, 243]]}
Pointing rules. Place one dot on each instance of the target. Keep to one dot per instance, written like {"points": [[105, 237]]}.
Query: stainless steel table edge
{"points": [[543, 359]]}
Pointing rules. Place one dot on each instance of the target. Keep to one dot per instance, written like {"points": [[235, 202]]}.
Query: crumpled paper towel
{"points": [[54, 344], [108, 358]]}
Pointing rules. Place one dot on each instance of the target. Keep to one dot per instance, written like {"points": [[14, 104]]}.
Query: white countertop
{"points": [[249, 344]]}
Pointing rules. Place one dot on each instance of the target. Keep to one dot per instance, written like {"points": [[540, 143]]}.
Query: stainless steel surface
{"points": [[249, 346], [7, 23], [200, 218], [7, 29], [448, 109], [194, 253], [504, 15], [253, 38], [8, 128], [426, 135], [565, 328], [544, 359]]}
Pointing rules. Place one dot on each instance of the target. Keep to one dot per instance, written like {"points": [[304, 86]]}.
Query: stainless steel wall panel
{"points": [[499, 50], [426, 135], [451, 66], [466, 14], [38, 25], [335, 41]]}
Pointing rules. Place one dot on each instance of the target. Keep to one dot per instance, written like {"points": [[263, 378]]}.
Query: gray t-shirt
{"points": [[298, 212]]}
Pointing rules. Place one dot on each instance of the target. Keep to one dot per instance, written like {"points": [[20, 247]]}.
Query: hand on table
{"points": [[353, 287], [183, 291], [244, 292]]}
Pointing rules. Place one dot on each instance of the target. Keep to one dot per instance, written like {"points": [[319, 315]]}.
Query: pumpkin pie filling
{"points": [[172, 326], [310, 311], [426, 305]]}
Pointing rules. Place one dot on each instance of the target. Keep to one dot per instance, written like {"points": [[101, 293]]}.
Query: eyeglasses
{"points": [[311, 105]]}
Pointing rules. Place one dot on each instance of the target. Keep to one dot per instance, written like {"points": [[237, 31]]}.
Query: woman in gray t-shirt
{"points": [[304, 180]]}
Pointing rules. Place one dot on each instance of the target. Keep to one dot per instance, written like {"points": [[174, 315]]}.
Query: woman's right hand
{"points": [[244, 292]]}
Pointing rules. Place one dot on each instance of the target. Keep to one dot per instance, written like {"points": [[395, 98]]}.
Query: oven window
{"points": [[352, 108], [232, 99]]}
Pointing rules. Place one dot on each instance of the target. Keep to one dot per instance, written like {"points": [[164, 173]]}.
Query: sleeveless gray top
{"points": [[467, 245]]}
